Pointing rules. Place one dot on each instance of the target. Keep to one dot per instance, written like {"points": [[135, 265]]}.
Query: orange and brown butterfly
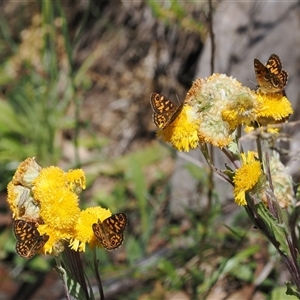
{"points": [[165, 111], [110, 232], [29, 240], [271, 78]]}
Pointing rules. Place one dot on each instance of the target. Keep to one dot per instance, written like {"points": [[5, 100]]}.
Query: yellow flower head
{"points": [[49, 200], [49, 180], [83, 230], [214, 130], [241, 110], [60, 210], [214, 100], [273, 108], [247, 177], [182, 132]]}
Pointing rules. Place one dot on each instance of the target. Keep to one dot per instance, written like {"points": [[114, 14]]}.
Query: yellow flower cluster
{"points": [[214, 107], [250, 179], [212, 111], [48, 198]]}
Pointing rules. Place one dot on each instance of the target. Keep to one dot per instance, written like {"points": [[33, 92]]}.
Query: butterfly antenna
{"points": [[251, 81]]}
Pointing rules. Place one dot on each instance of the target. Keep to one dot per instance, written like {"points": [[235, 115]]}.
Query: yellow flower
{"points": [[83, 230], [212, 110], [57, 238], [247, 177], [241, 110], [60, 210], [274, 108], [220, 103], [215, 131], [76, 180], [59, 207], [49, 199], [182, 132], [49, 180]]}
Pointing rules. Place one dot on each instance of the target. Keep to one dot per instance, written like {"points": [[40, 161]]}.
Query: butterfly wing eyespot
{"points": [[164, 110]]}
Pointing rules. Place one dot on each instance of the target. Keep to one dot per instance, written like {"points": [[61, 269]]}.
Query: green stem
{"points": [[62, 274], [98, 278]]}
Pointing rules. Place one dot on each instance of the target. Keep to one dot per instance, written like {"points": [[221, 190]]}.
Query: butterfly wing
{"points": [[159, 120], [24, 230], [164, 110], [115, 241], [260, 71], [274, 64], [116, 223], [110, 232], [161, 104], [271, 78], [108, 239], [29, 247], [23, 248], [283, 76], [278, 75]]}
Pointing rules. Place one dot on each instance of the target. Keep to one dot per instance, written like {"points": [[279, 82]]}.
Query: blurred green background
{"points": [[75, 80]]}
